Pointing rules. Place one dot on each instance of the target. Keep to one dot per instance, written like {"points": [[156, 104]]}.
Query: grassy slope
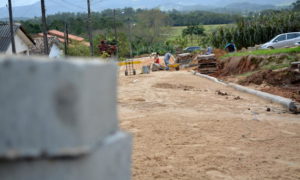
{"points": [[264, 52], [271, 65]]}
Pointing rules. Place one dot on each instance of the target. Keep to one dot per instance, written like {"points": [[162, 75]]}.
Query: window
{"points": [[280, 38], [293, 35]]}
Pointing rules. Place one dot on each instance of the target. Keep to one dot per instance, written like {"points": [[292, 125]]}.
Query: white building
{"points": [[22, 40], [55, 47]]}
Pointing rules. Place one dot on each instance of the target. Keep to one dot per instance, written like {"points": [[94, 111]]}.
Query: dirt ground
{"points": [[184, 128]]}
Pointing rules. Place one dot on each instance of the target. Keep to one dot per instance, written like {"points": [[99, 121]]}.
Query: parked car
{"points": [[192, 49], [283, 40]]}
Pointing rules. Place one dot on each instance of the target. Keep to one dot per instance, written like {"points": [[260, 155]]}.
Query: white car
{"points": [[283, 40]]}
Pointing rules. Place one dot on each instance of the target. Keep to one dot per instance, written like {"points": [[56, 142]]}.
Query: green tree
{"points": [[192, 31], [150, 26], [296, 5]]}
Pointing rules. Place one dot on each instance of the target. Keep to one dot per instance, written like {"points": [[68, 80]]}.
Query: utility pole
{"points": [[44, 25], [90, 28], [66, 37], [11, 26], [116, 34], [130, 39]]}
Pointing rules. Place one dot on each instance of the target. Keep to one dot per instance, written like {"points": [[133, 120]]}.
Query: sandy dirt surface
{"points": [[184, 129], [145, 61]]}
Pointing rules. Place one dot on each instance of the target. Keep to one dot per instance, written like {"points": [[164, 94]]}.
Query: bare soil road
{"points": [[186, 127]]}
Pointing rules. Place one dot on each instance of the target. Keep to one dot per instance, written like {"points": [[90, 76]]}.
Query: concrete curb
{"points": [[288, 103], [209, 77]]}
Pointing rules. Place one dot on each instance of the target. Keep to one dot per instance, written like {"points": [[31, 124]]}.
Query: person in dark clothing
{"points": [[230, 47]]}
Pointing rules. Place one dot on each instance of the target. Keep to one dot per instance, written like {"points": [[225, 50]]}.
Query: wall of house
{"points": [[55, 52], [21, 44]]}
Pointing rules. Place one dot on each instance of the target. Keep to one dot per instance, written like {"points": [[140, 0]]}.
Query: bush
{"points": [[78, 49]]}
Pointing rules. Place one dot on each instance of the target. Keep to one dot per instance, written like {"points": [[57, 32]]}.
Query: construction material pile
{"points": [[185, 58], [207, 64]]}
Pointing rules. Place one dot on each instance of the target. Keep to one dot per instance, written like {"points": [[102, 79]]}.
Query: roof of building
{"points": [[5, 35], [61, 35]]}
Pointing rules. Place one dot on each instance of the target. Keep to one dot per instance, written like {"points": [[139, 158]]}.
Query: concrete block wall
{"points": [[62, 116], [109, 161]]}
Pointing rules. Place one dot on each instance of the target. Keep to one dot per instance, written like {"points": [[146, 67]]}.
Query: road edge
{"points": [[291, 105]]}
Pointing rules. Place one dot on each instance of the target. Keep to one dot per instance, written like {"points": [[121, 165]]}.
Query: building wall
{"points": [[55, 52], [21, 46]]}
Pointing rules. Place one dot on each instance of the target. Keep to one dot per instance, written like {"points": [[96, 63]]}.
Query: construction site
{"points": [[190, 127], [194, 118], [144, 90]]}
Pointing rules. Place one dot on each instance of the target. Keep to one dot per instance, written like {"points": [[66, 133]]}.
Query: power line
{"points": [[66, 5], [27, 10], [74, 5], [97, 2]]}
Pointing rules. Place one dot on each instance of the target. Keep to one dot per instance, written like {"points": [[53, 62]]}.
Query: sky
{"points": [[28, 2], [17, 2]]}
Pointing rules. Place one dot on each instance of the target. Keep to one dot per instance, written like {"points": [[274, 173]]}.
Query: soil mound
{"points": [[243, 64], [275, 78], [239, 65], [219, 52], [284, 83]]}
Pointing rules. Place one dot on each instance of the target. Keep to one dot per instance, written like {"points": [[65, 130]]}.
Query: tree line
{"points": [[105, 19], [138, 30], [258, 28]]}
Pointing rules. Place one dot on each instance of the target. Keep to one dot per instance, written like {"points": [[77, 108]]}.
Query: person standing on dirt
{"points": [[167, 60]]}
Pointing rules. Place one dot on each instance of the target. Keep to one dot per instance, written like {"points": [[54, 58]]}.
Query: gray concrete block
{"points": [[55, 107], [110, 161]]}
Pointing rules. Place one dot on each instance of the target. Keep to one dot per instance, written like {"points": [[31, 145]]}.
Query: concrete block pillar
{"points": [[59, 121]]}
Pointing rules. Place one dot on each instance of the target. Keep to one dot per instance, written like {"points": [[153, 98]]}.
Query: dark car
{"points": [[192, 49]]}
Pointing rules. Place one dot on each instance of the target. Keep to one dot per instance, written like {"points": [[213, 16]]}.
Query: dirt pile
{"points": [[285, 83], [282, 82], [238, 65], [288, 92], [275, 78], [219, 52], [243, 64]]}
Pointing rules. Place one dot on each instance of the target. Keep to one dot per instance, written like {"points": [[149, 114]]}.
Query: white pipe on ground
{"points": [[288, 103]]}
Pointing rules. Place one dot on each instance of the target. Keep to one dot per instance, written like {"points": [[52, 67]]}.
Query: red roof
{"points": [[42, 35], [62, 35]]}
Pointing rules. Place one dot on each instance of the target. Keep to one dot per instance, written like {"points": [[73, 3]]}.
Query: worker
{"points": [[209, 51], [156, 66], [230, 47], [167, 60]]}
